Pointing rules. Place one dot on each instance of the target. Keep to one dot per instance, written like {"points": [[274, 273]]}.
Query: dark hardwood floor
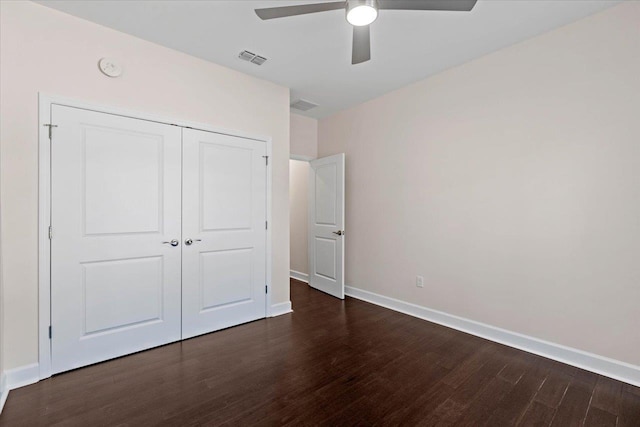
{"points": [[329, 363]]}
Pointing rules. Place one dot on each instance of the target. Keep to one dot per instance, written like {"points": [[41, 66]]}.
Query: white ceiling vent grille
{"points": [[252, 57], [303, 105]]}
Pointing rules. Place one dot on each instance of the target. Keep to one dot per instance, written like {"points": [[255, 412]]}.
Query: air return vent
{"points": [[252, 57], [303, 105]]}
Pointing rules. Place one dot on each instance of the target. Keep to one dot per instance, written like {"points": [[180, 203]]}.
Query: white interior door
{"points": [[326, 225], [115, 287], [224, 221]]}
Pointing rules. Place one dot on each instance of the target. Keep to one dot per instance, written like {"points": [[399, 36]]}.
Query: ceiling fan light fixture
{"points": [[361, 12]]}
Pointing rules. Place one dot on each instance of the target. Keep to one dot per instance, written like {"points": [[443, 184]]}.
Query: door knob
{"points": [[174, 242], [339, 232], [189, 242]]}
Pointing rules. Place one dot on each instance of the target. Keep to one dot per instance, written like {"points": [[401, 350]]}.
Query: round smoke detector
{"points": [[110, 67]]}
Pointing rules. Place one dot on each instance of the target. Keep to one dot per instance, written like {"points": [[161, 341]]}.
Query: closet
{"points": [[158, 234]]}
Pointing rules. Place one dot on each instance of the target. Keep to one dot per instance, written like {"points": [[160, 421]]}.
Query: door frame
{"points": [[45, 102]]}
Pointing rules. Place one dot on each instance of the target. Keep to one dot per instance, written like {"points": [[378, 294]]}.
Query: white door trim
{"points": [[300, 158], [44, 204]]}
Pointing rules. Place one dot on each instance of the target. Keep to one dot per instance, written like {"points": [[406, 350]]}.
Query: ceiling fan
{"points": [[361, 13]]}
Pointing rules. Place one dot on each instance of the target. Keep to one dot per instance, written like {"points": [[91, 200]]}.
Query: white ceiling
{"points": [[311, 54]]}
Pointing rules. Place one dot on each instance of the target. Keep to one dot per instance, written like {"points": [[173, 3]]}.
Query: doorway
{"points": [[298, 217], [317, 218]]}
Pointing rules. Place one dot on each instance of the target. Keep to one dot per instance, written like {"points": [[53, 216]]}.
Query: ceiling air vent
{"points": [[303, 105], [252, 57]]}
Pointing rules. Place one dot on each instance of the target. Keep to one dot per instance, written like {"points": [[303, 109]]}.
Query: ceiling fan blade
{"points": [[300, 9], [453, 5], [361, 45]]}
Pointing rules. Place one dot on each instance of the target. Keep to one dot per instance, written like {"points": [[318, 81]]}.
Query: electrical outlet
{"points": [[420, 281]]}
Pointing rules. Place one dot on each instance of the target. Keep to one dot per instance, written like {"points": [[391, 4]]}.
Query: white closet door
{"points": [[115, 287], [224, 212]]}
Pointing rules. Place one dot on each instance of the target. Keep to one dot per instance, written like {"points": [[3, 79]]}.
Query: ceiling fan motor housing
{"points": [[361, 12]]}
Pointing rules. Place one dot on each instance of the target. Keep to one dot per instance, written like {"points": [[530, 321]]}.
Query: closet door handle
{"points": [[189, 242], [174, 242]]}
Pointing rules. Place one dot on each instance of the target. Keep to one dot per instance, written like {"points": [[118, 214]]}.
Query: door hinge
{"points": [[50, 126], [266, 159], [50, 233], [266, 289], [50, 332], [266, 225]]}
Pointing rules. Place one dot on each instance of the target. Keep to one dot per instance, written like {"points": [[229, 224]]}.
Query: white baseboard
{"points": [[611, 368], [303, 277], [15, 378], [22, 376], [280, 309], [4, 390]]}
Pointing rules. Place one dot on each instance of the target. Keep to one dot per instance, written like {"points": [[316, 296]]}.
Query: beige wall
{"points": [[304, 143], [1, 292], [511, 184], [304, 136], [48, 51], [298, 207]]}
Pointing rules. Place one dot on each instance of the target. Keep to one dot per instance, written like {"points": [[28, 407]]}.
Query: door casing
{"points": [[44, 204]]}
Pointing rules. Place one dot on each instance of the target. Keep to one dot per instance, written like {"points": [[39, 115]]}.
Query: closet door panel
{"points": [[115, 198], [224, 213]]}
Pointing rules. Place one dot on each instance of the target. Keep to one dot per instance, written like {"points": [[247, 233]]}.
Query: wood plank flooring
{"points": [[329, 363]]}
